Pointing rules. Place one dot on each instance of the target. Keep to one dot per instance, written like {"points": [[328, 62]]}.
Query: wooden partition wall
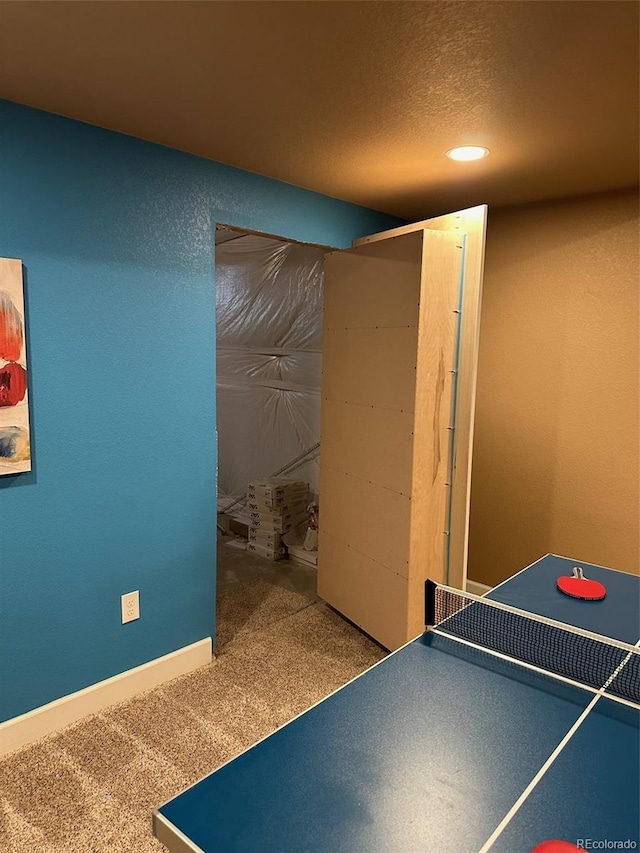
{"points": [[391, 358]]}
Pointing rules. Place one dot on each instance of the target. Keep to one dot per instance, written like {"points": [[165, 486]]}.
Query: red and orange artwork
{"points": [[15, 448]]}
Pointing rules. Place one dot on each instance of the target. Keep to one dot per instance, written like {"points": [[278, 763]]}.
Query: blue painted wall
{"points": [[116, 237]]}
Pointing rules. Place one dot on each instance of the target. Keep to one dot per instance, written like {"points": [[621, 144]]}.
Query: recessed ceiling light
{"points": [[468, 152]]}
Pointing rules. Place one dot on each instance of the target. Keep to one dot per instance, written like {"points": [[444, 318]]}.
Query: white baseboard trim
{"points": [[19, 731], [477, 588]]}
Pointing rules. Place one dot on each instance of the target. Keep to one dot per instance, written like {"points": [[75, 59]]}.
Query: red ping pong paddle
{"points": [[577, 586], [555, 847]]}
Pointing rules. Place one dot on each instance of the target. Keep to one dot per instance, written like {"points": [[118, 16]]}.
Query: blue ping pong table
{"points": [[445, 746]]}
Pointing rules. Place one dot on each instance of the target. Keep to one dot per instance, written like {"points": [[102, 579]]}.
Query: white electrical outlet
{"points": [[130, 604]]}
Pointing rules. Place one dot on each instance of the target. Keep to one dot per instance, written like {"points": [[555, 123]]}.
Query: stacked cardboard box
{"points": [[274, 507]]}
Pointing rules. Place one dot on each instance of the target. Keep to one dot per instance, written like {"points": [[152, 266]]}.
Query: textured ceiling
{"points": [[358, 100]]}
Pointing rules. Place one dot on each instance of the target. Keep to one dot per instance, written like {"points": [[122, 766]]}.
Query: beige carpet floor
{"points": [[91, 788]]}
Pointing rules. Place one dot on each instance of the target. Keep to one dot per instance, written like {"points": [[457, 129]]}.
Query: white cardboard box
{"points": [[288, 508], [281, 525], [273, 491], [270, 553], [266, 538]]}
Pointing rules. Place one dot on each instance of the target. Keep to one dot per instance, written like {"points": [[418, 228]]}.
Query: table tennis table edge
{"points": [[184, 844], [168, 834], [561, 557], [586, 563]]}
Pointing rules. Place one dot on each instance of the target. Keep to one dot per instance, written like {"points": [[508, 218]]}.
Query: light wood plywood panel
{"points": [[371, 367], [411, 452], [373, 520], [472, 224], [361, 300], [375, 445], [369, 594]]}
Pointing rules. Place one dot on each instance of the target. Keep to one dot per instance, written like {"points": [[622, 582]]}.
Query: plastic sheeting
{"points": [[269, 360]]}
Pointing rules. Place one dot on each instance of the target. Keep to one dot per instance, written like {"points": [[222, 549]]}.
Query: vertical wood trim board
{"points": [[430, 497], [473, 223]]}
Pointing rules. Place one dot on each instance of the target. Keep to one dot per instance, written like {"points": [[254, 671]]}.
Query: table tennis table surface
{"points": [[441, 746]]}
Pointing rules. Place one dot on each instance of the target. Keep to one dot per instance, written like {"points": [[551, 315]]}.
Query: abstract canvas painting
{"points": [[15, 446]]}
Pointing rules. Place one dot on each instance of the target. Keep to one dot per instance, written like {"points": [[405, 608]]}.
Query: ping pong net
{"points": [[598, 662]]}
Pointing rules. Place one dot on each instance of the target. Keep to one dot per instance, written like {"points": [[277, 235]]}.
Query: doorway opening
{"points": [[269, 296]]}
